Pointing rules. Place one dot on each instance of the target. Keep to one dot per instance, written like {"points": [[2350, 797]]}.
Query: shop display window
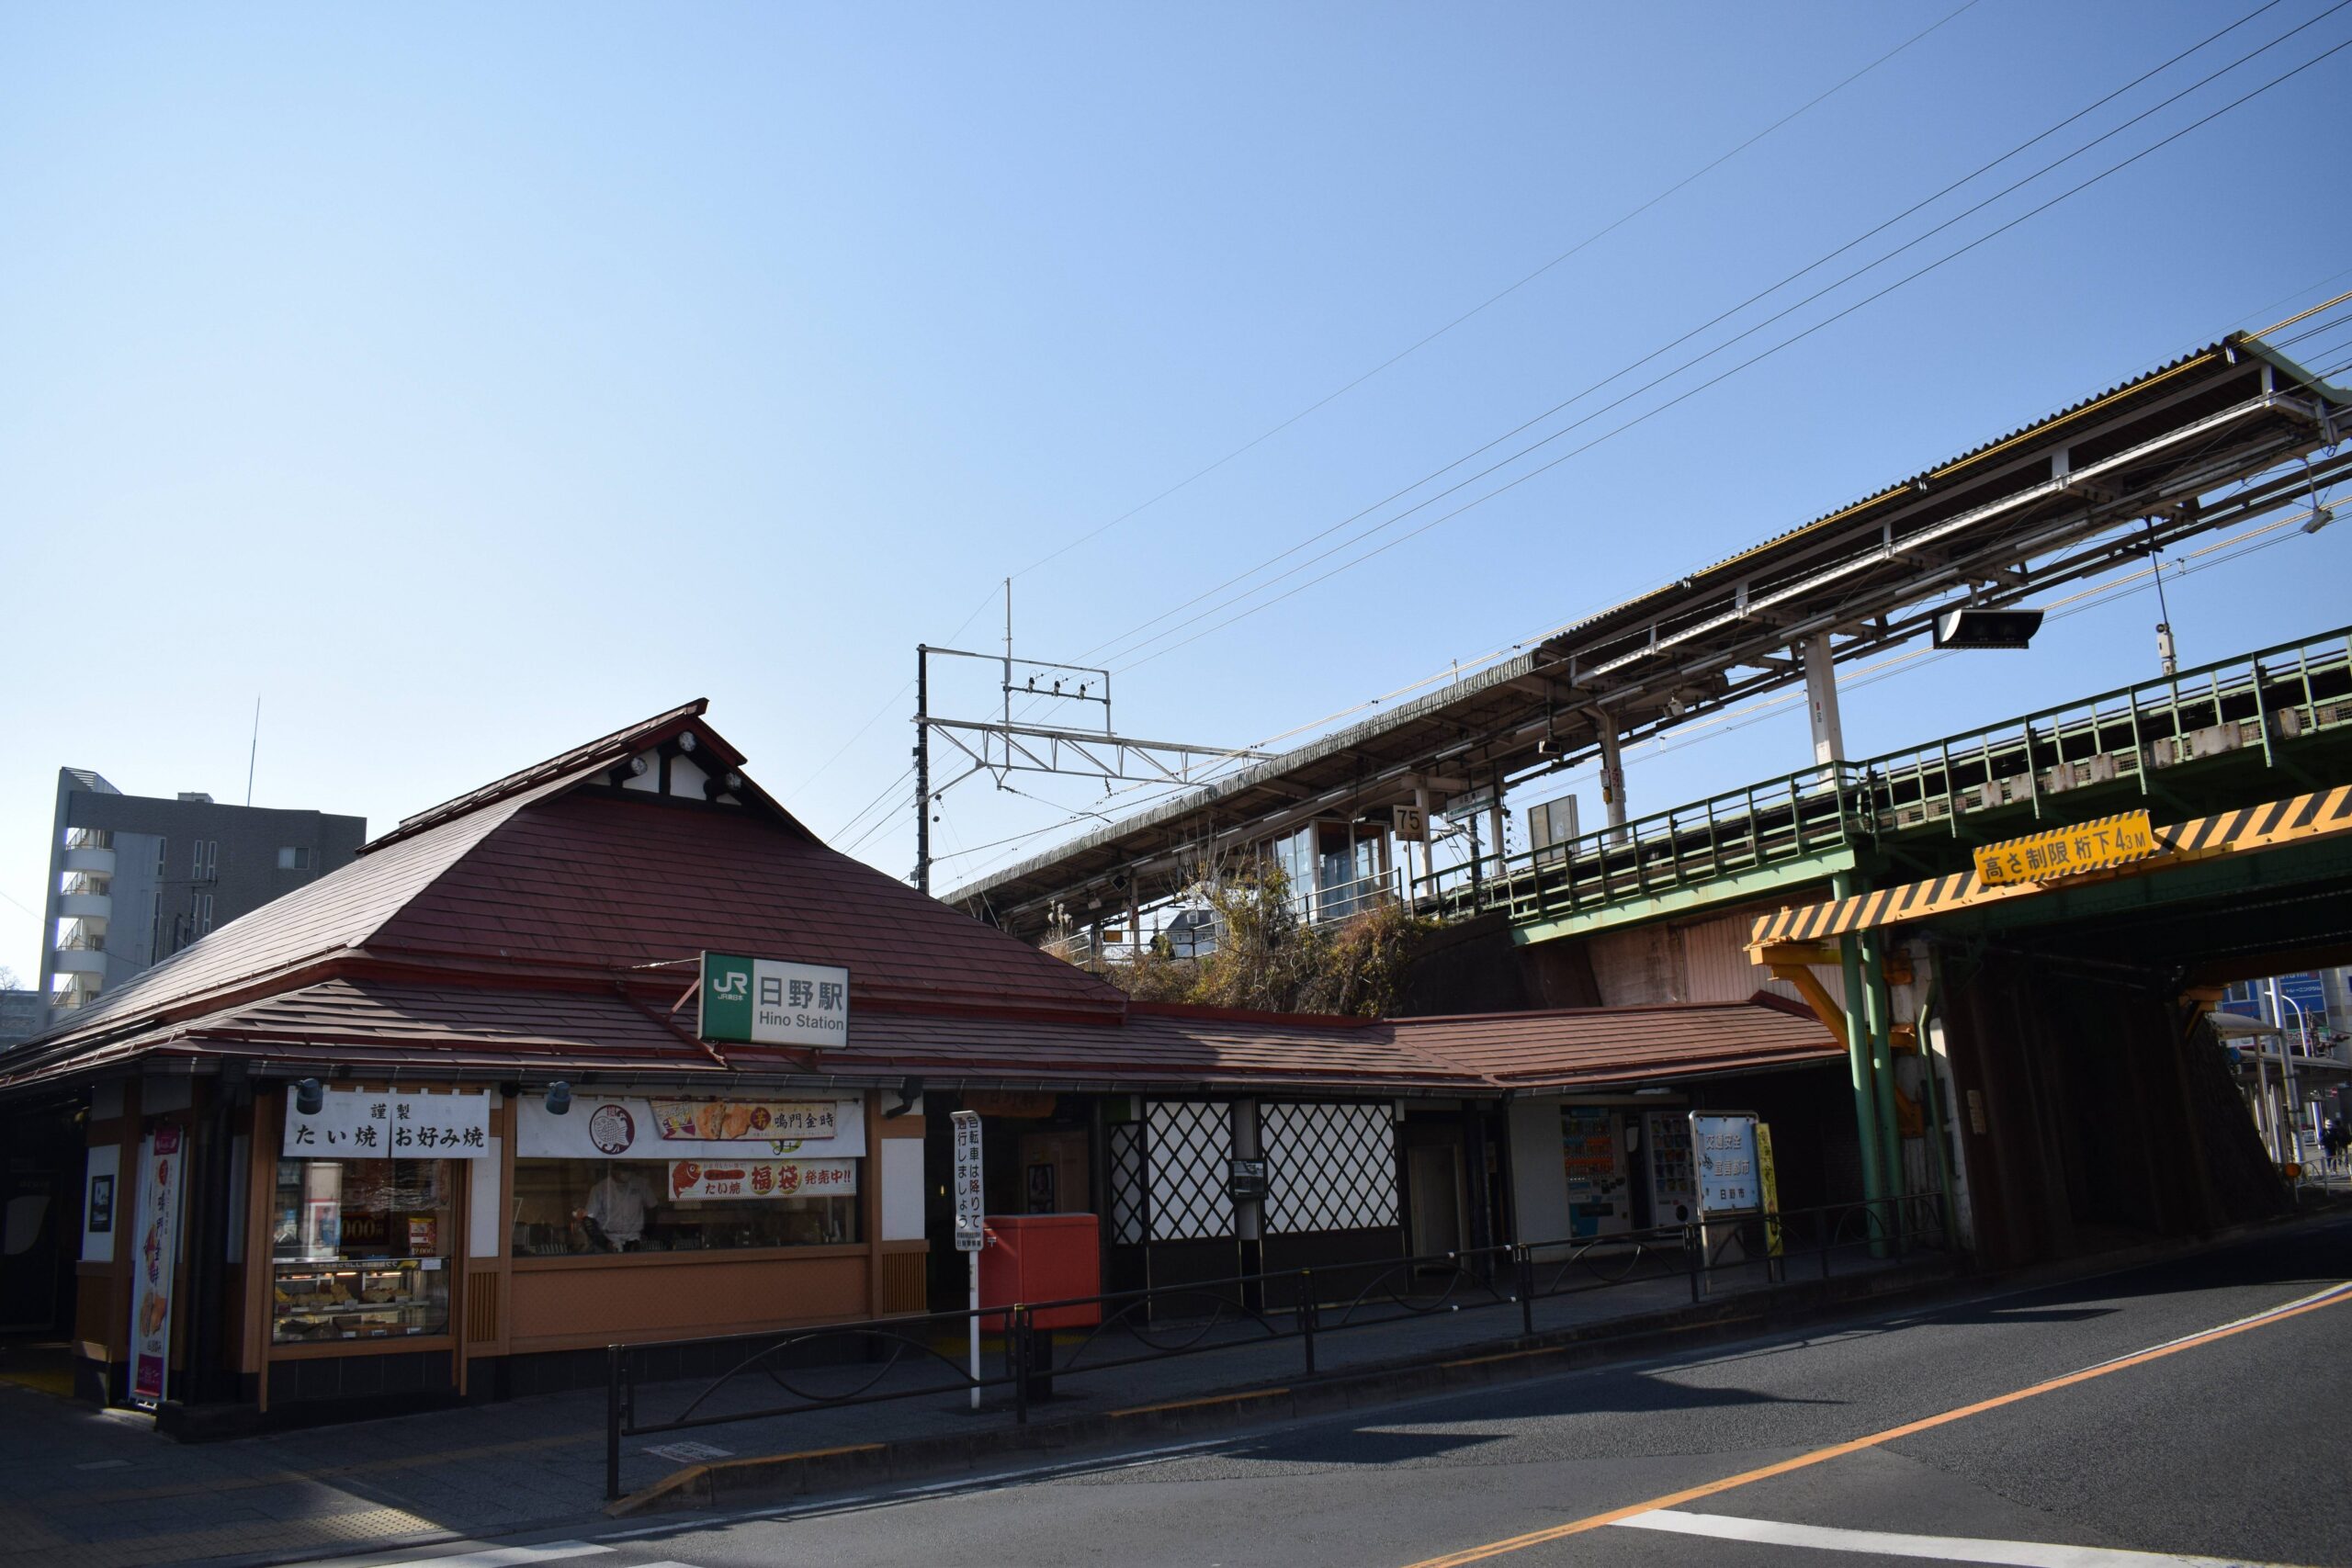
{"points": [[359, 1249], [582, 1207]]}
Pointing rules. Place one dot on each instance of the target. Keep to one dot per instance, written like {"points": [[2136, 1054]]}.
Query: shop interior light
{"points": [[558, 1098], [309, 1098]]}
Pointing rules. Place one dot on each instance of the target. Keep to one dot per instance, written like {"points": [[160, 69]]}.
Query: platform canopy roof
{"points": [[2208, 441]]}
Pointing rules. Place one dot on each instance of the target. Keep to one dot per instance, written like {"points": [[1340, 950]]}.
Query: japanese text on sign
{"points": [[2067, 851], [1724, 1143], [766, 1002], [352, 1123], [970, 1206], [763, 1178]]}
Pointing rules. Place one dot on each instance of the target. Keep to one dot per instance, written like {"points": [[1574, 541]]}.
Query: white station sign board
{"points": [[771, 1001], [971, 1225], [1730, 1177]]}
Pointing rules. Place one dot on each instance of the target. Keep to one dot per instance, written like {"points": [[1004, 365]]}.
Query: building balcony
{"points": [[96, 862], [85, 905], [80, 960]]}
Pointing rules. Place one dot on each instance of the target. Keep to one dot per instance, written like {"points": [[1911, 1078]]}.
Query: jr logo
{"points": [[736, 987]]}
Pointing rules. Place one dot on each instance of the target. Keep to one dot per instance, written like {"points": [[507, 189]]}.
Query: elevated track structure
{"points": [[2231, 435]]}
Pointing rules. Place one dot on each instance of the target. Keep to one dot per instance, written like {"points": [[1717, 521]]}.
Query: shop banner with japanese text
{"points": [[352, 1123], [161, 1182], [763, 1178], [634, 1127]]}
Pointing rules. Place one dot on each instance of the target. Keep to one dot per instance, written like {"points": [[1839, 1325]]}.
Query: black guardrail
{"points": [[835, 1366]]}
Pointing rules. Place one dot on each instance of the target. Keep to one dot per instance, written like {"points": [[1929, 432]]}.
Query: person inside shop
{"points": [[614, 1217]]}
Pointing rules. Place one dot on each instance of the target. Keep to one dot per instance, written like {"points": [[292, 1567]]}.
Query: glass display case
{"points": [[359, 1249], [359, 1298]]}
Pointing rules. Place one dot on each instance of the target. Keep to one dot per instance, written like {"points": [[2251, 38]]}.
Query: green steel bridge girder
{"points": [[1738, 888], [2160, 888]]}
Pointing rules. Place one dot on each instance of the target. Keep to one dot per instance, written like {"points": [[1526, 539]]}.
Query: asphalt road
{"points": [[2235, 1446]]}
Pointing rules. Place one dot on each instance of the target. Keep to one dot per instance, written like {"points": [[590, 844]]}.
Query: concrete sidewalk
{"points": [[81, 1488]]}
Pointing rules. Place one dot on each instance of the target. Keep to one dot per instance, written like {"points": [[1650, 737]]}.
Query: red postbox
{"points": [[1044, 1258]]}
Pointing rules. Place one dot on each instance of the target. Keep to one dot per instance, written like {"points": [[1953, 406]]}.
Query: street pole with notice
{"points": [[971, 1225]]}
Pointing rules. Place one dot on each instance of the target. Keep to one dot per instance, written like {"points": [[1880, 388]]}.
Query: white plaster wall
{"points": [[1539, 1184], [901, 1189]]}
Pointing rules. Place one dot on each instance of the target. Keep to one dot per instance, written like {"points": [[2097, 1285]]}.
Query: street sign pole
{"points": [[971, 1226]]}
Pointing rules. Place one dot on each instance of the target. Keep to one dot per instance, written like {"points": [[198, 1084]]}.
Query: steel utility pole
{"points": [[922, 768]]}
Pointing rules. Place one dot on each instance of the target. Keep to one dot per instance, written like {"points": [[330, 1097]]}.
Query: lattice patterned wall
{"points": [[1329, 1167], [1129, 1208], [1192, 1142]]}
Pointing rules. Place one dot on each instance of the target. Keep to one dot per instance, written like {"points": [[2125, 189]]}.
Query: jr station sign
{"points": [[772, 1001]]}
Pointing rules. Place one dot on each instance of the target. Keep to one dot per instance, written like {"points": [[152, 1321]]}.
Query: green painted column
{"points": [[1857, 1058], [1879, 1012]]}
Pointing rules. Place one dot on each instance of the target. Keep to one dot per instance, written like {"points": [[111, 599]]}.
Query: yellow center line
{"points": [[2334, 1296]]}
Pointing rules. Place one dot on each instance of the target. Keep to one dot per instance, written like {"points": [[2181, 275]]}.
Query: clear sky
{"points": [[466, 382]]}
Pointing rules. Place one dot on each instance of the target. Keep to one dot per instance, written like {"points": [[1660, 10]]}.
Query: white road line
{"points": [[494, 1557], [2319, 1295], [1937, 1548]]}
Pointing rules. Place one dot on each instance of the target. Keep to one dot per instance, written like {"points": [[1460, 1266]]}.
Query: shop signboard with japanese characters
{"points": [[636, 1127], [1730, 1179], [768, 1001], [157, 1233], [971, 1223], [352, 1123], [761, 1179]]}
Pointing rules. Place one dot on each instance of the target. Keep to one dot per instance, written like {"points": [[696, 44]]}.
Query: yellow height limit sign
{"points": [[2101, 845]]}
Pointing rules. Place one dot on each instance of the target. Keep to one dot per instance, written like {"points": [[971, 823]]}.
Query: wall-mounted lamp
{"points": [[310, 1099], [558, 1098]]}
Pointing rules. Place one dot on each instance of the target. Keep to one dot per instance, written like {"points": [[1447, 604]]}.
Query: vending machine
{"points": [[1665, 1162], [1600, 1197]]}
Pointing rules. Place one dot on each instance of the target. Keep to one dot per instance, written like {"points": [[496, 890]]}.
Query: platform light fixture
{"points": [[1987, 629]]}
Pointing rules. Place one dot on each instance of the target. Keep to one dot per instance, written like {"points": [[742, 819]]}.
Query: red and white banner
{"points": [[156, 1234], [759, 1179]]}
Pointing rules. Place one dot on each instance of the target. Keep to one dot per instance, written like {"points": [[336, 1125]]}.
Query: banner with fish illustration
{"points": [[630, 1127]]}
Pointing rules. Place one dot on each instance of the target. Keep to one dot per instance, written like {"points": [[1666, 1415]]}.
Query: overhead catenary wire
{"points": [[1128, 637], [1716, 379], [1497, 297]]}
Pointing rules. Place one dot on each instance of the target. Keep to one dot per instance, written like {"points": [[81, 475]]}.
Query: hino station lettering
{"points": [[768, 1001]]}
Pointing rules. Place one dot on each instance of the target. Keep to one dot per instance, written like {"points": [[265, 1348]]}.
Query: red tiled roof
{"points": [[355, 1027], [496, 932], [1571, 1047], [615, 881]]}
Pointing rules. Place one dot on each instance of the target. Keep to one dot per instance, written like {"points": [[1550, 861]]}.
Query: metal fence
{"points": [[842, 1365]]}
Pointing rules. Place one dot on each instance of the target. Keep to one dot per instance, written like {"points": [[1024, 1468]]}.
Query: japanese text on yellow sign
{"points": [[2067, 851]]}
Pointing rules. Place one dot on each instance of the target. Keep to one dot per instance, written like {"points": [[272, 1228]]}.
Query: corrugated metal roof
{"points": [[1490, 722]]}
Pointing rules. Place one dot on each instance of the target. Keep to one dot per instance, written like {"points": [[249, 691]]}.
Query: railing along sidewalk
{"points": [[1243, 1311]]}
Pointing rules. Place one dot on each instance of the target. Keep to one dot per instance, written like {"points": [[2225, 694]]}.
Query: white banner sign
{"points": [[631, 1127], [759, 1179], [970, 1212], [352, 1123], [156, 1227], [1729, 1178]]}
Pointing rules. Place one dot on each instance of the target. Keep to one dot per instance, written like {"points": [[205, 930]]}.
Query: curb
{"points": [[765, 1477]]}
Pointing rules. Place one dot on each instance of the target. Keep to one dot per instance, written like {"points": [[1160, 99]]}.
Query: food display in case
{"points": [[359, 1249], [357, 1298]]}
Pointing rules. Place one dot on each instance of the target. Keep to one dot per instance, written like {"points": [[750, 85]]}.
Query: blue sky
{"points": [[465, 382]]}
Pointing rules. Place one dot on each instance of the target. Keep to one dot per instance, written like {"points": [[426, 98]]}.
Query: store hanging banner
{"points": [[388, 1124], [161, 1182], [627, 1127], [760, 1178]]}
